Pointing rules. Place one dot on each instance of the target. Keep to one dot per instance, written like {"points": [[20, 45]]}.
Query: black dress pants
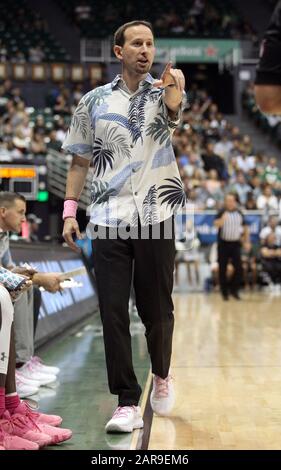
{"points": [[229, 251], [153, 283]]}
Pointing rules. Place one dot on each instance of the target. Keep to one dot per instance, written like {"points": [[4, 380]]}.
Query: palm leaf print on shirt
{"points": [[136, 117], [163, 157], [150, 212], [97, 97], [106, 150], [173, 193], [136, 114], [159, 129], [101, 191], [80, 121]]}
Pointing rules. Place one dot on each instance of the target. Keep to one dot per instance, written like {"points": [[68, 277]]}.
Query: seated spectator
{"points": [[39, 125], [38, 146], [77, 93], [240, 187], [251, 204], [214, 162], [271, 227], [36, 54], [214, 187], [33, 227], [61, 128], [267, 201], [255, 183], [245, 162], [271, 173], [223, 148], [52, 142], [196, 198], [61, 107], [271, 258]]}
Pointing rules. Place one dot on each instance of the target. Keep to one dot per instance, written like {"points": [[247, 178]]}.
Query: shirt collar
{"points": [[148, 79], [3, 233]]}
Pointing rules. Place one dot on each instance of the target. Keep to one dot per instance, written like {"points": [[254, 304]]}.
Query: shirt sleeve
{"points": [[6, 260], [269, 66], [173, 123], [80, 136]]}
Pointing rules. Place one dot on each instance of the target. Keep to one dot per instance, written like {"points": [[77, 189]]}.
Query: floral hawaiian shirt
{"points": [[128, 136]]}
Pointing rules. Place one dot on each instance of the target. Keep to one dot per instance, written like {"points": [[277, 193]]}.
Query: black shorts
{"points": [[269, 67]]}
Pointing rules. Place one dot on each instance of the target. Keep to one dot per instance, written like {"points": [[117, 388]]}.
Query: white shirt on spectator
{"points": [[223, 149], [246, 164], [270, 203], [265, 231]]}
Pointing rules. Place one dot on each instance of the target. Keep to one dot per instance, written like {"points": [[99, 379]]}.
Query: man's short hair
{"points": [[119, 35], [8, 199]]}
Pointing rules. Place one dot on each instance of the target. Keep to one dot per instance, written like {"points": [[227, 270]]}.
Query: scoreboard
{"points": [[28, 178]]}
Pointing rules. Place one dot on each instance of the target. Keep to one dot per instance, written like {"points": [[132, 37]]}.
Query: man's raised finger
{"points": [[167, 69]]}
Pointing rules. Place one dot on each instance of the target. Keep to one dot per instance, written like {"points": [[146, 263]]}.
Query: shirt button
{"points": [[136, 193], [132, 146], [134, 170]]}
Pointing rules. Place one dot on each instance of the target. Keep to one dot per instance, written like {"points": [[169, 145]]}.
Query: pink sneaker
{"points": [[40, 418], [23, 426], [10, 442], [57, 434]]}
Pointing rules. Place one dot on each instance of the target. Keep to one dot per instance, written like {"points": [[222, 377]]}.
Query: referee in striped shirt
{"points": [[231, 227]]}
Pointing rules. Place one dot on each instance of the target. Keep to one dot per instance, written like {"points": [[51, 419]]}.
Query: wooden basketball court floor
{"points": [[227, 373]]}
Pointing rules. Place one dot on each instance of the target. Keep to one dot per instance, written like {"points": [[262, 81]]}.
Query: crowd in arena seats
{"points": [[215, 158], [268, 123], [180, 18], [24, 36], [25, 131]]}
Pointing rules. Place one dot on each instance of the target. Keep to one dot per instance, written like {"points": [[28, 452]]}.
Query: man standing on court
{"points": [[126, 128], [231, 224]]}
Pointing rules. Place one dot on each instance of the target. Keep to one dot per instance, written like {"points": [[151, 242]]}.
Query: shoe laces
{"points": [[162, 386], [122, 411], [8, 425], [36, 360], [23, 421], [31, 366], [30, 411]]}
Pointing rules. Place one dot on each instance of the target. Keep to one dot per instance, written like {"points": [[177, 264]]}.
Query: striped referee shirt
{"points": [[232, 228]]}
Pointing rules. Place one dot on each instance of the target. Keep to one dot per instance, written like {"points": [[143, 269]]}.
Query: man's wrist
{"points": [[69, 209], [36, 278]]}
